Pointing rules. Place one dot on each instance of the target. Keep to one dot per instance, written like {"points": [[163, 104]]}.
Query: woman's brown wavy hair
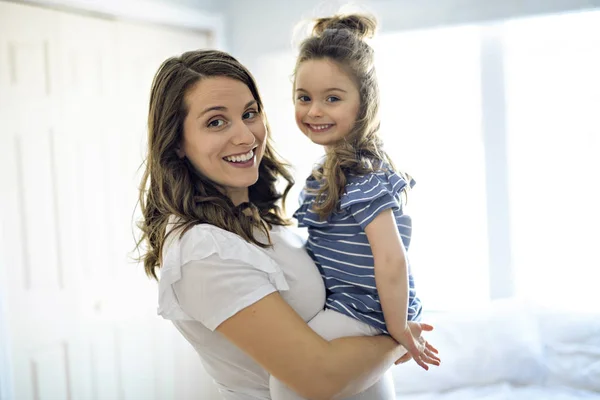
{"points": [[172, 187], [341, 39]]}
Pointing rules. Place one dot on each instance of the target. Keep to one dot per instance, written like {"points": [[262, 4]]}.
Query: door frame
{"points": [[6, 381]]}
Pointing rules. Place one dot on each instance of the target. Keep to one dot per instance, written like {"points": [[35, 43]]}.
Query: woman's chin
{"points": [[243, 182]]}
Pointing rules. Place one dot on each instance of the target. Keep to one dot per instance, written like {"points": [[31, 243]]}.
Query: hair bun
{"points": [[363, 26]]}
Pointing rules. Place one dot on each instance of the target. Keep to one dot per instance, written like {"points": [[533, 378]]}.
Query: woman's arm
{"points": [[391, 278], [276, 337]]}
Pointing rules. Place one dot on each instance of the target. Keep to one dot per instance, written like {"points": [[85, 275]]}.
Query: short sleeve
{"points": [[304, 215], [300, 213], [210, 274], [367, 196], [211, 291]]}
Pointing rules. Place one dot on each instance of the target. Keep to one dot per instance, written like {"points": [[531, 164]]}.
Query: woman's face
{"points": [[224, 135]]}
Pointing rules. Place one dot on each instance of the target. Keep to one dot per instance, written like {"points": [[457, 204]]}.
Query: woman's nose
{"points": [[243, 135]]}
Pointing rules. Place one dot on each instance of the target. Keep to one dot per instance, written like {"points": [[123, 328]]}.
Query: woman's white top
{"points": [[210, 274]]}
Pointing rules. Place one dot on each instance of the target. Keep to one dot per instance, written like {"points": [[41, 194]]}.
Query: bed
{"points": [[509, 350]]}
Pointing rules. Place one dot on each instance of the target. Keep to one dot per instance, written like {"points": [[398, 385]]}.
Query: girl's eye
{"points": [[250, 115], [216, 123], [333, 99], [303, 98]]}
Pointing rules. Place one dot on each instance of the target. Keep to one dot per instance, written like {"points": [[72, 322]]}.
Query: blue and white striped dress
{"points": [[340, 248]]}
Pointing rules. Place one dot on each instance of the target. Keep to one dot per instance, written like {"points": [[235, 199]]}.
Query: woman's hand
{"points": [[422, 351]]}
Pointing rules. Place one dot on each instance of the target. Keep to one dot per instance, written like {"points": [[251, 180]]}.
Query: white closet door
{"points": [[39, 299], [80, 315]]}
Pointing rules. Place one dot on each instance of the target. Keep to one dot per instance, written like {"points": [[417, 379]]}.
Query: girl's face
{"points": [[326, 101], [224, 135]]}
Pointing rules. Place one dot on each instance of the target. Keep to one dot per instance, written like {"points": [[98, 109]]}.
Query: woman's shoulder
{"points": [[215, 249], [204, 240]]}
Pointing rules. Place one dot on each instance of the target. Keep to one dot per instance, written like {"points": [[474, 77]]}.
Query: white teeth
{"points": [[241, 158], [319, 127]]}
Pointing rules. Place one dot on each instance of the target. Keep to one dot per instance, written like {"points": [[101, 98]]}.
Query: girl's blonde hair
{"points": [[341, 39]]}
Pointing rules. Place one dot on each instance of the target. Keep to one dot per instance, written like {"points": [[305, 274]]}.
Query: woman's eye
{"points": [[304, 98], [216, 123], [333, 99], [250, 115]]}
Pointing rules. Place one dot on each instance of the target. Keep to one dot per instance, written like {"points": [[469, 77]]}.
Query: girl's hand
{"points": [[418, 348]]}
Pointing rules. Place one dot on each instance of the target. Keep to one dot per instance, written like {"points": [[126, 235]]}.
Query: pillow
{"points": [[499, 343]]}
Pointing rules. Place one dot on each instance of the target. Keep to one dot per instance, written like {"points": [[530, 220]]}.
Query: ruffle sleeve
{"points": [[367, 196], [222, 260]]}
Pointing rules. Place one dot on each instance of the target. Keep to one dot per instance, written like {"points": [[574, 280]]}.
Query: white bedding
{"points": [[506, 392], [510, 351]]}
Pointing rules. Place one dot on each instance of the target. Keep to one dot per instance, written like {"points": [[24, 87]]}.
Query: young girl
{"points": [[352, 202]]}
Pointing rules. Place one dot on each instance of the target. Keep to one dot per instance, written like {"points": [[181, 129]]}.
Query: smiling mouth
{"points": [[319, 127], [241, 158]]}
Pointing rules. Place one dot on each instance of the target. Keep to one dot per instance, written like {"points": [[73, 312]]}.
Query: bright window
{"points": [[431, 125], [553, 106]]}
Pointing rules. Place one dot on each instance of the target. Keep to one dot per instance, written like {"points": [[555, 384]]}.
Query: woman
{"points": [[234, 280]]}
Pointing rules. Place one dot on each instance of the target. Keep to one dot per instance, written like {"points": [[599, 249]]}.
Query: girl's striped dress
{"points": [[340, 248]]}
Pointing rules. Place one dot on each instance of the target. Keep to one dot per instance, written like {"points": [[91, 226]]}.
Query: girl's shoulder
{"points": [[368, 187]]}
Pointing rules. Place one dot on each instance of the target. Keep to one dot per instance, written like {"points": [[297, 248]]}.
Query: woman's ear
{"points": [[180, 152]]}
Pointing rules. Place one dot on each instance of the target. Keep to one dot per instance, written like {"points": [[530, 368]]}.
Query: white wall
{"points": [[204, 5], [200, 15], [265, 26]]}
